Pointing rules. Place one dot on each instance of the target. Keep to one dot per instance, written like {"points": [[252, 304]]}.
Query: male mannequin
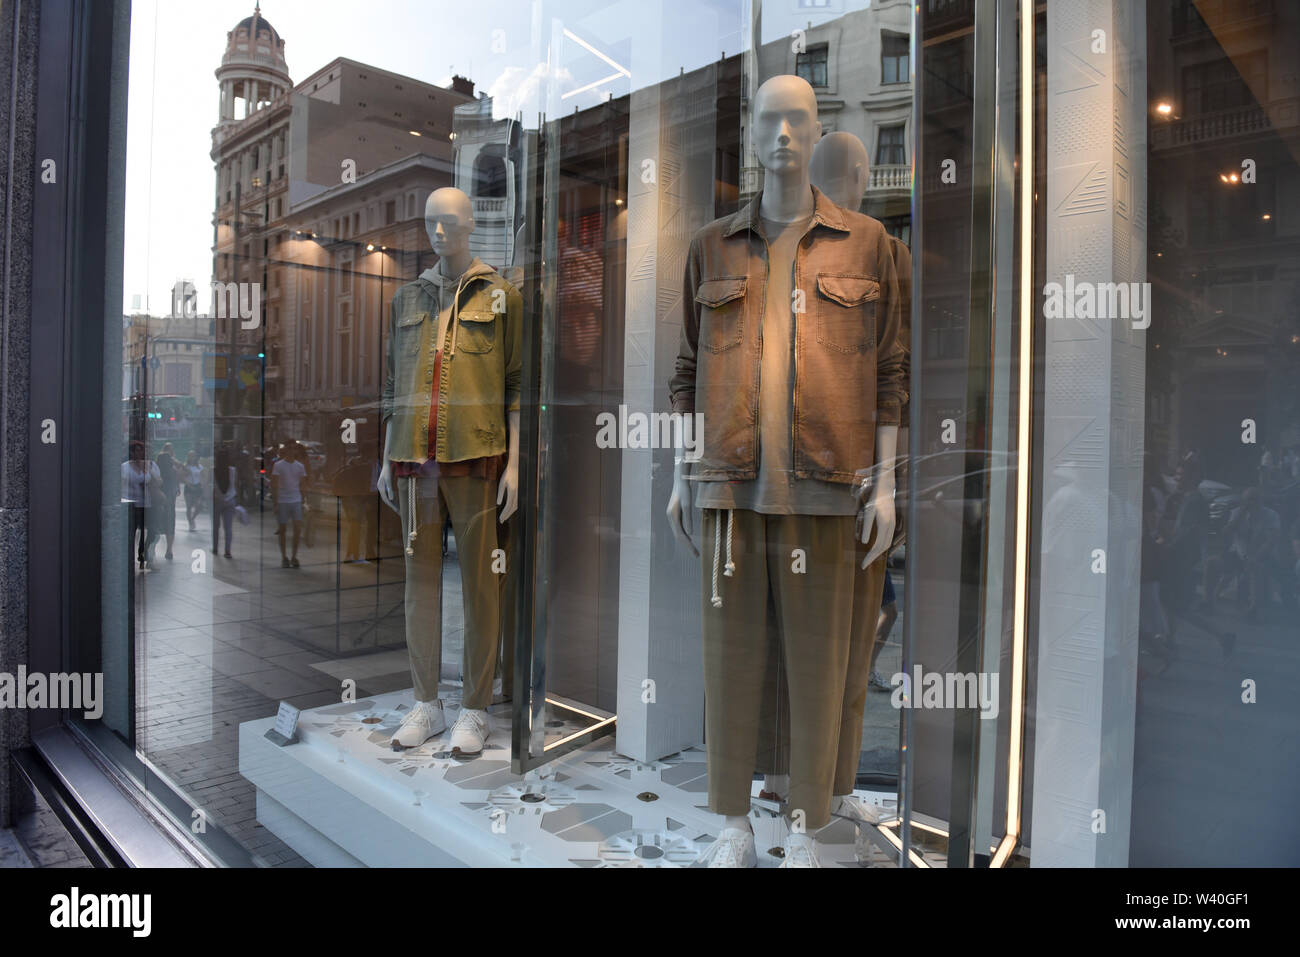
{"points": [[789, 350], [451, 449], [840, 169]]}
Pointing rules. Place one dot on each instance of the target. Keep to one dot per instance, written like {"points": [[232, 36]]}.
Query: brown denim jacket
{"points": [[481, 367], [849, 359]]}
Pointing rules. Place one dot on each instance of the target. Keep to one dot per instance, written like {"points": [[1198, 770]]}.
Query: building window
{"points": [[811, 65], [1226, 84], [894, 65], [176, 378], [900, 227], [889, 146], [390, 212]]}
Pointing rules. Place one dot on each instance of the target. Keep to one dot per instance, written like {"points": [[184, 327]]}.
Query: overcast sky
{"points": [[507, 47]]}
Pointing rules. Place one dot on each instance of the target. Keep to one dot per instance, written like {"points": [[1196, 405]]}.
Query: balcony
{"points": [[1227, 124], [890, 179]]}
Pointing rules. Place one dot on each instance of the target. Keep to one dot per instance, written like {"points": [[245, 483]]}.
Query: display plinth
{"points": [[341, 797]]}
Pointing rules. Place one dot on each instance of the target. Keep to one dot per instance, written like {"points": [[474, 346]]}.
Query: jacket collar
{"points": [[825, 213]]}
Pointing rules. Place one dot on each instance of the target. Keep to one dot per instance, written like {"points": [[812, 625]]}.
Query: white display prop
{"points": [[341, 797]]}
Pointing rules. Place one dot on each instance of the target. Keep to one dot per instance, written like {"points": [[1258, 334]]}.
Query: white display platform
{"points": [[341, 797]]}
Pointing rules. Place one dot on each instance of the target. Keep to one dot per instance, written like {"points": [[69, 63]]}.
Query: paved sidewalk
{"points": [[11, 851]]}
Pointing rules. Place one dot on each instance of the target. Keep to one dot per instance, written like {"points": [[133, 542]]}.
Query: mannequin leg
{"points": [[423, 584], [868, 586], [815, 613], [773, 758], [472, 504], [735, 657]]}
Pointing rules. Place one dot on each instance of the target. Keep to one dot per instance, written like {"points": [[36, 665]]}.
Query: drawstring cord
{"points": [[455, 317], [730, 568]]}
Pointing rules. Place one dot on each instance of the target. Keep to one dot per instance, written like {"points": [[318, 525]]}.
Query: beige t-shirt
{"points": [[776, 490]]}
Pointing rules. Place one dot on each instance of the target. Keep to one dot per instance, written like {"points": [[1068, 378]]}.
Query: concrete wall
{"points": [[18, 175]]}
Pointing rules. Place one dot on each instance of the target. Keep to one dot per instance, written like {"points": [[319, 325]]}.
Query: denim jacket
{"points": [[850, 363], [482, 361]]}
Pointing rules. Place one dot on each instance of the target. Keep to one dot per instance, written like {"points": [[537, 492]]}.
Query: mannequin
{"points": [[451, 449], [789, 350], [840, 169]]}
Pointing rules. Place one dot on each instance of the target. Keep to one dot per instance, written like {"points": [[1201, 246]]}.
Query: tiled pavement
{"points": [[221, 645]]}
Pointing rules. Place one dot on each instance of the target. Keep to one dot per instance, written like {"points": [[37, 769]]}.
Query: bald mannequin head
{"points": [[784, 126], [449, 221], [839, 169]]}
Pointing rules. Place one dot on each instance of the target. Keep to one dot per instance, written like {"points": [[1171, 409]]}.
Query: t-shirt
{"points": [[289, 475], [776, 490], [136, 480]]}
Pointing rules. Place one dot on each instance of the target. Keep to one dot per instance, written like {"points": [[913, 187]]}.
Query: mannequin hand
{"points": [[878, 517], [679, 512], [385, 484], [508, 491]]}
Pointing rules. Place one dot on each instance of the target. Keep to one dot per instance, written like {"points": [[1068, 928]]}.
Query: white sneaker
{"points": [[856, 809], [423, 722], [470, 732], [800, 851], [734, 847]]}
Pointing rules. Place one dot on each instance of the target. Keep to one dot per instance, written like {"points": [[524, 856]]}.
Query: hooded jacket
{"points": [[482, 363]]}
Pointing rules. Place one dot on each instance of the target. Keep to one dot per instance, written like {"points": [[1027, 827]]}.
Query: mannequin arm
{"points": [[385, 482], [878, 510], [680, 507], [508, 489]]}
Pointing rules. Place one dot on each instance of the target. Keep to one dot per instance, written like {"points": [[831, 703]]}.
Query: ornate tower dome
{"points": [[253, 71]]}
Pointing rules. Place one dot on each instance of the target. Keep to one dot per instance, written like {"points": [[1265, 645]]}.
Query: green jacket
{"points": [[482, 361]]}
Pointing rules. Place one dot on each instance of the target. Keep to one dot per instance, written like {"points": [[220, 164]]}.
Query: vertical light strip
{"points": [[1015, 751]]}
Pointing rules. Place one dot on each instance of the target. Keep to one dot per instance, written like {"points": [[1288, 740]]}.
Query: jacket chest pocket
{"points": [[722, 313], [846, 312], [410, 330], [478, 332]]}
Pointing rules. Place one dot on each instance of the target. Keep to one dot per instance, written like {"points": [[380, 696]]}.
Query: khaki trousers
{"points": [[507, 536], [471, 504], [804, 565], [774, 734]]}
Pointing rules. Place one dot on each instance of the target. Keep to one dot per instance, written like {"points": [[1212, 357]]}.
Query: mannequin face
{"points": [[839, 168], [785, 125], [449, 221]]}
